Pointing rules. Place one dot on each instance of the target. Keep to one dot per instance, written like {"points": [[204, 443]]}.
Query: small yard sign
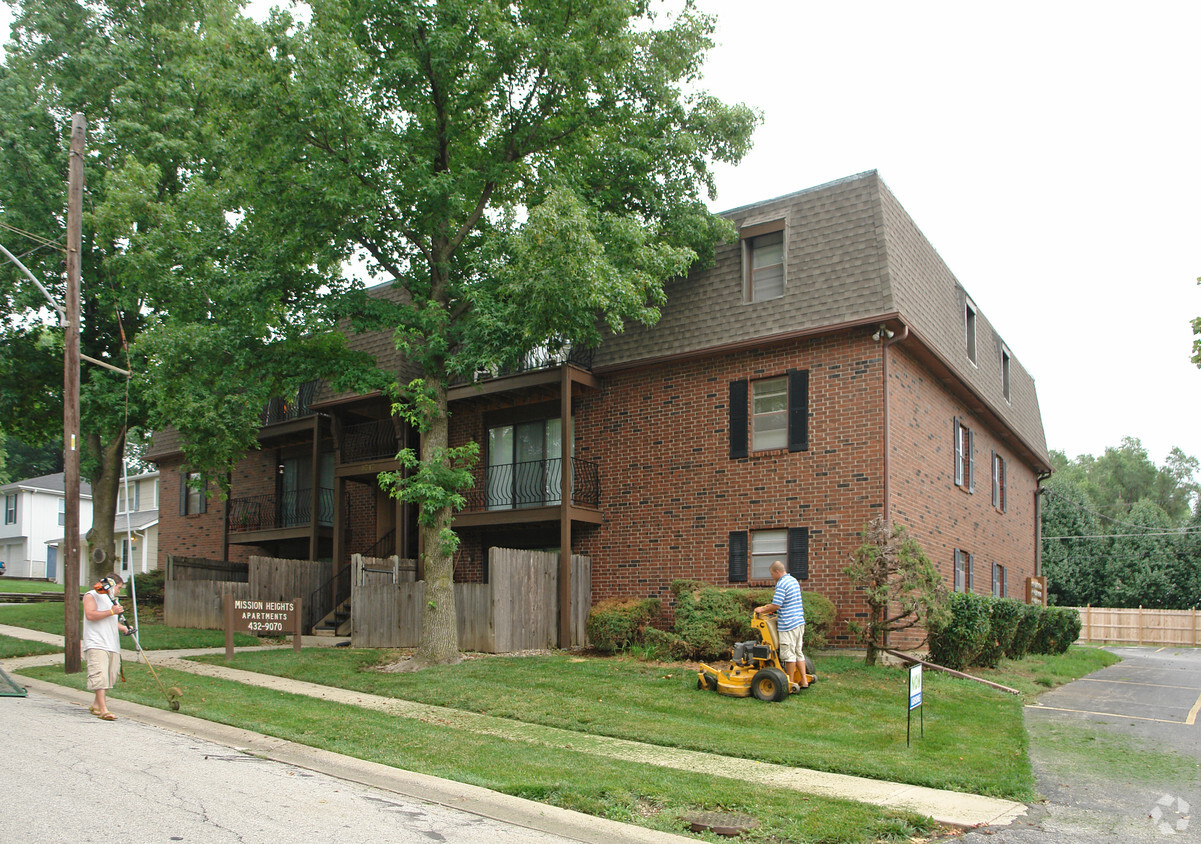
{"points": [[915, 700]]}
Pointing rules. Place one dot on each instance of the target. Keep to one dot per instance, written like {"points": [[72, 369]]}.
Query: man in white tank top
{"points": [[102, 641]]}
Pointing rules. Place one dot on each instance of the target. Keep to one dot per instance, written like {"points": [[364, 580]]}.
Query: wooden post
{"points": [[565, 502], [71, 440], [229, 625], [299, 626]]}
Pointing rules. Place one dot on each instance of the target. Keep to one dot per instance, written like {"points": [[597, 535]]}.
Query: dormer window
{"points": [[1005, 372], [763, 261], [969, 319]]}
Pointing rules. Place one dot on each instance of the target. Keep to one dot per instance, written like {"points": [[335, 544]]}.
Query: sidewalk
{"points": [[946, 807]]}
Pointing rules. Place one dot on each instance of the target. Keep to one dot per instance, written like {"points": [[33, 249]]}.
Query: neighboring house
{"points": [[827, 369], [135, 529], [34, 513]]}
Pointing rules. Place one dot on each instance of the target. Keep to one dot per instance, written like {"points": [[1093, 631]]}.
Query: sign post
{"points": [[254, 616], [915, 701]]}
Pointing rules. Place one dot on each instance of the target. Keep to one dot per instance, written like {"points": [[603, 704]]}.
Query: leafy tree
{"points": [[1140, 570], [174, 288], [902, 587], [1071, 556], [525, 174]]}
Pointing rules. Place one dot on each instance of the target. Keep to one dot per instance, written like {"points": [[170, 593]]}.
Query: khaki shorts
{"points": [[104, 667], [790, 645]]}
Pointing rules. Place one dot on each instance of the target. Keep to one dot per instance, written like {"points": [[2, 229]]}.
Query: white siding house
{"points": [[34, 514]]}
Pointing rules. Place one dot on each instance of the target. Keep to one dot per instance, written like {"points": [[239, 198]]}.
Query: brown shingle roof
{"points": [[853, 256]]}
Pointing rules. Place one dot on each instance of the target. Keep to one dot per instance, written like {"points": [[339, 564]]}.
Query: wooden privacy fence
{"points": [[198, 603], [518, 609], [1138, 626]]}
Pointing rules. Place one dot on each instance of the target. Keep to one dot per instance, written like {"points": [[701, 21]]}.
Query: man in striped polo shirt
{"points": [[790, 622]]}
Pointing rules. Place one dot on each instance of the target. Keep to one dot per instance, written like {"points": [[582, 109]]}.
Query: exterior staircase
{"points": [[336, 623]]}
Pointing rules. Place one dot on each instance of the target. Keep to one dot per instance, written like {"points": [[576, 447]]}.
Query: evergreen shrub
{"points": [[617, 623]]}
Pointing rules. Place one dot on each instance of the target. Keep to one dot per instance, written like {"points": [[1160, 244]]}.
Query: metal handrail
{"points": [[291, 508], [369, 440], [280, 409], [532, 483]]}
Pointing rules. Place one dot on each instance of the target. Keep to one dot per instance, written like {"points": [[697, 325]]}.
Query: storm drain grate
{"points": [[9, 688], [720, 823]]}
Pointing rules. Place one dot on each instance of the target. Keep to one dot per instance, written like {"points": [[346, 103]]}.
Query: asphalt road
{"points": [[1141, 784], [67, 776]]}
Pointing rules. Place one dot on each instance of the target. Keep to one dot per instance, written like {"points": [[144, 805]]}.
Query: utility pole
{"points": [[71, 439]]}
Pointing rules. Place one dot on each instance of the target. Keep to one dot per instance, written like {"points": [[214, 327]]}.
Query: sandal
{"points": [[106, 716]]}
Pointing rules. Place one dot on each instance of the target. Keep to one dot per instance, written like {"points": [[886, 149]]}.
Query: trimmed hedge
{"points": [[708, 621], [615, 624], [984, 629], [961, 640]]}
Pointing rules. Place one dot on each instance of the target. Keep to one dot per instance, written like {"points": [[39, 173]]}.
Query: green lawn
{"points": [[10, 647], [9, 585], [852, 721]]}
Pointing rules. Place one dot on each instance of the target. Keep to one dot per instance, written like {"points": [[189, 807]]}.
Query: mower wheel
{"points": [[769, 684], [706, 682], [811, 671]]}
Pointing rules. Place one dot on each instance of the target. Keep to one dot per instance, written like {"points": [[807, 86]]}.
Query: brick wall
{"points": [[671, 494], [939, 514]]}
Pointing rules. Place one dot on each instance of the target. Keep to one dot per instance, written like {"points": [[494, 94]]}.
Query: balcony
{"points": [[531, 491], [285, 410], [375, 440], [287, 514]]}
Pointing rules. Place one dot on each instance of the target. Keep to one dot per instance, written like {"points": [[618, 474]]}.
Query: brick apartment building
{"points": [[828, 368]]}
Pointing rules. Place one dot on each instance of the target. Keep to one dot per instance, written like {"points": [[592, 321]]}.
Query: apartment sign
{"points": [[261, 618]]}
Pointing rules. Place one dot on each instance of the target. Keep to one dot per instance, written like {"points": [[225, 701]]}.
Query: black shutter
{"points": [[967, 578], [738, 540], [183, 493], [798, 553], [738, 430], [957, 450], [798, 410]]}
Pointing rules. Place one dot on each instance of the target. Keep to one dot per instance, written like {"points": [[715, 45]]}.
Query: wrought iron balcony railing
{"points": [[540, 358], [282, 410], [533, 483], [292, 508], [369, 441]]}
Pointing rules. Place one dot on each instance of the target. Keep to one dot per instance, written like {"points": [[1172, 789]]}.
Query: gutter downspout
{"points": [[886, 335]]}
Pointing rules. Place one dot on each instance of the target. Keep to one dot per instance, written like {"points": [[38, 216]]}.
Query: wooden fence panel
{"points": [[273, 579], [199, 568], [1138, 626], [517, 610], [199, 603]]}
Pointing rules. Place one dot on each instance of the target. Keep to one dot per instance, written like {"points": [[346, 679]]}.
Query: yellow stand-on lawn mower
{"points": [[755, 668]]}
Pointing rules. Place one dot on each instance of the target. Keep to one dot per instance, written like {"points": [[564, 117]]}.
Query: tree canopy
{"points": [[174, 288], [1120, 531], [525, 174]]}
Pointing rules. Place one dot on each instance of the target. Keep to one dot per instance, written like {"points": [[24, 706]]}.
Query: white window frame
{"points": [[62, 512], [965, 465], [998, 580], [768, 426], [767, 546], [194, 495], [10, 508], [749, 235], [961, 578]]}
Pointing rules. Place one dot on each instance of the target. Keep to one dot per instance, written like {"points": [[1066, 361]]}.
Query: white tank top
{"points": [[102, 634]]}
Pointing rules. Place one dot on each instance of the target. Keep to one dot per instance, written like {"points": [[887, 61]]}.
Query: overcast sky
{"points": [[1048, 150]]}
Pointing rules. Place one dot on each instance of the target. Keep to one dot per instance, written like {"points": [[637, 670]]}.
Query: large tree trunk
{"points": [[101, 548], [439, 622]]}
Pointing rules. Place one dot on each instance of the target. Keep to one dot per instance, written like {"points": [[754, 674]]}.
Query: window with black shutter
{"points": [[738, 556]]}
